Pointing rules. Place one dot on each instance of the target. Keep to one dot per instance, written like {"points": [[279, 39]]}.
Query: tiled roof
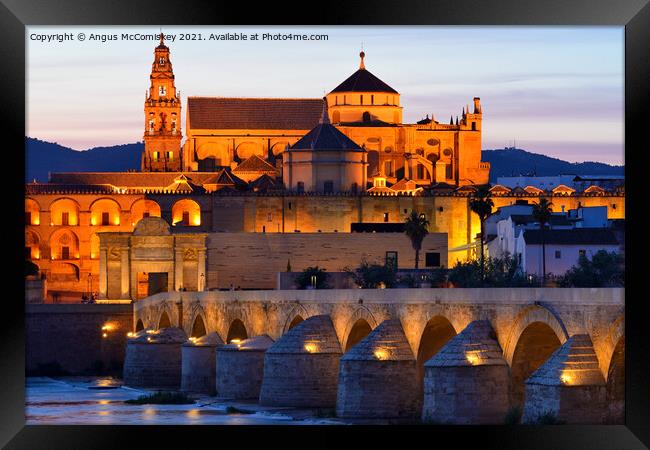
{"points": [[128, 179], [325, 137], [265, 183], [37, 188], [254, 164], [363, 81], [254, 113], [576, 236]]}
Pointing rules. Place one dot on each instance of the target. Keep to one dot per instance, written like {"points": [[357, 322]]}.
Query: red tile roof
{"points": [[254, 164], [216, 113]]}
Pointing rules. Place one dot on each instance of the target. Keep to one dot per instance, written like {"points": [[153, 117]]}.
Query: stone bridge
{"points": [[528, 324]]}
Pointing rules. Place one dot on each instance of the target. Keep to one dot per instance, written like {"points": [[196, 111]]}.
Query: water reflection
{"points": [[78, 401]]}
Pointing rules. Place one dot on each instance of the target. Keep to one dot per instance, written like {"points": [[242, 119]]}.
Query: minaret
{"points": [[162, 116]]}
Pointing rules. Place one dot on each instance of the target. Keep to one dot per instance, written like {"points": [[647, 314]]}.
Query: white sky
{"points": [[558, 91]]}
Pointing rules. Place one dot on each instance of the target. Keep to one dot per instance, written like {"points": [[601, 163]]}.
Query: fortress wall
{"points": [[252, 260], [72, 335]]}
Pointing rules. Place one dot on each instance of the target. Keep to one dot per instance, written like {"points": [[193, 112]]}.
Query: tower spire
{"points": [[362, 65], [325, 118]]}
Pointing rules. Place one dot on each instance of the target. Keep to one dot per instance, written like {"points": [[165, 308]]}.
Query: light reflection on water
{"points": [[80, 401]]}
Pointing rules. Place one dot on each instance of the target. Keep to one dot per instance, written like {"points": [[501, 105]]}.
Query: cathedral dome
{"points": [[363, 81]]}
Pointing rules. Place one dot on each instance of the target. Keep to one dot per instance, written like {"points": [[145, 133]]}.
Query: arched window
{"points": [[186, 213], [32, 212], [64, 212], [105, 212], [144, 208]]}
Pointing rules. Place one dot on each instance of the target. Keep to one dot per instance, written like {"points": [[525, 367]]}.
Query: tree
{"points": [[372, 276], [542, 213], [306, 278], [416, 228], [481, 204], [603, 270]]}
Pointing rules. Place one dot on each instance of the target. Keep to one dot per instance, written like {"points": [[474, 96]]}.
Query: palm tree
{"points": [[542, 213], [481, 204], [416, 228]]}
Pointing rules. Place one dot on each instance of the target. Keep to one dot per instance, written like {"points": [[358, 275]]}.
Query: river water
{"points": [[100, 401]]}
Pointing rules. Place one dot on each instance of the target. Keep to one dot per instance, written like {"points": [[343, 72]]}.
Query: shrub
{"points": [[371, 276], [235, 410], [499, 272], [304, 279], [603, 270], [162, 398]]}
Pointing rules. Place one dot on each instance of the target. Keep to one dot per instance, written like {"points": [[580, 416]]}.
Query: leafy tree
{"points": [[416, 228], [371, 276], [498, 272], [481, 204], [542, 213], [304, 279], [603, 270]]}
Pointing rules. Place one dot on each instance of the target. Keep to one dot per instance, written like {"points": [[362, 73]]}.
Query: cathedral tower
{"points": [[162, 116]]}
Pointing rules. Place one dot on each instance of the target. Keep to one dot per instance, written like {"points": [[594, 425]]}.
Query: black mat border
{"points": [[16, 14]]}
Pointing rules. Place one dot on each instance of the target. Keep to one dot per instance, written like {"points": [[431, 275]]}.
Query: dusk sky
{"points": [[558, 91]]}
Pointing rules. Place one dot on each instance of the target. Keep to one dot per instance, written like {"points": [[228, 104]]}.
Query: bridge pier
{"points": [[240, 366], [301, 368], [198, 368], [153, 359], [467, 381], [378, 376], [569, 385]]}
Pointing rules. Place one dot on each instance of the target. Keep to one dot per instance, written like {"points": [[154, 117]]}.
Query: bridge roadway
{"points": [[526, 321]]}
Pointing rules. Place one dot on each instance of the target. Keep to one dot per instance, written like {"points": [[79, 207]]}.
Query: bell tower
{"points": [[162, 117]]}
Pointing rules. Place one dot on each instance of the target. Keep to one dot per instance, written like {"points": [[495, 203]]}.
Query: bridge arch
{"points": [[163, 321], [237, 330], [435, 335], [615, 389], [360, 323], [139, 326], [536, 343], [291, 320], [198, 327], [526, 317]]}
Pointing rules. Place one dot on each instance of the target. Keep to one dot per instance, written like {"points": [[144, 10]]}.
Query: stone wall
{"points": [[239, 373], [253, 260], [198, 369], [153, 365], [72, 336]]}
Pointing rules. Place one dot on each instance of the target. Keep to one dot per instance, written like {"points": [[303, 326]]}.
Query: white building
{"points": [[512, 230]]}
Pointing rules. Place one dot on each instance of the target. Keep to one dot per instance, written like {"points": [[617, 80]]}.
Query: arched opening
{"points": [[535, 345], [32, 245], [616, 385], [237, 330], [186, 213], [64, 245], [139, 326], [64, 272], [32, 212], [105, 212], [64, 212], [164, 321], [198, 329], [435, 335], [360, 329], [296, 320], [144, 208]]}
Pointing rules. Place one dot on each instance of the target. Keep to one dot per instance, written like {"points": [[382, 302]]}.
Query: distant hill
{"points": [[43, 157], [515, 162]]}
